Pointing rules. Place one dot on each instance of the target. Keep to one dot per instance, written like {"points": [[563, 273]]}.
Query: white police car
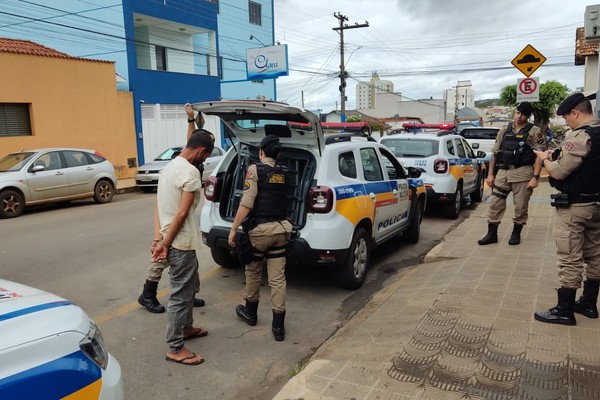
{"points": [[50, 349], [347, 194], [451, 170]]}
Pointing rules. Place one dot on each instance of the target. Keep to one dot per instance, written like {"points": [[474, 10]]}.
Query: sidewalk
{"points": [[461, 326]]}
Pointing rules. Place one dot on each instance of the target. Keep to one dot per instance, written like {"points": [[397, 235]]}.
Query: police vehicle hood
{"points": [[251, 120], [28, 314]]}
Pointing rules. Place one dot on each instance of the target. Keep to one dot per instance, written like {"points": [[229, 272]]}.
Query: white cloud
{"points": [[423, 46]]}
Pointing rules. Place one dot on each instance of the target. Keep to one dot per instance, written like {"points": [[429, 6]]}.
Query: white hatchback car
{"points": [[147, 175], [55, 175], [347, 194], [50, 349], [451, 169]]}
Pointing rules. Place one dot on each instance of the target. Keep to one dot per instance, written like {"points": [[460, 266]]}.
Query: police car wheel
{"points": [[224, 258], [414, 229], [452, 209], [477, 195], [352, 273]]}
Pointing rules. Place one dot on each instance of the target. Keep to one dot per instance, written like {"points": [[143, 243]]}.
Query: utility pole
{"points": [[343, 74]]}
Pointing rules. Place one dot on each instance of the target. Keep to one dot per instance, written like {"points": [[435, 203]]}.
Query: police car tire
{"points": [[452, 209], [348, 276], [414, 229], [477, 195], [224, 258]]}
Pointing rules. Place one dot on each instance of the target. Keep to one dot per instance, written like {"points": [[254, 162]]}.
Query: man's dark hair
{"points": [[201, 138], [584, 107], [272, 150]]}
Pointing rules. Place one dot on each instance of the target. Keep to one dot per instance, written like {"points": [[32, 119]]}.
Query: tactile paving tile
{"points": [[450, 354]]}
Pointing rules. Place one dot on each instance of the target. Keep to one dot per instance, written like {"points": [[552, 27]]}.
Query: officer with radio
{"points": [[513, 169], [265, 204], [574, 171]]}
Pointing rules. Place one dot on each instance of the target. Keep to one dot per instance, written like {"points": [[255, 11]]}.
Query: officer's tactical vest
{"points": [[271, 200], [514, 149], [584, 180]]}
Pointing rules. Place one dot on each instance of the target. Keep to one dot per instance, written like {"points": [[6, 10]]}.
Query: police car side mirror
{"points": [[481, 154], [414, 172]]}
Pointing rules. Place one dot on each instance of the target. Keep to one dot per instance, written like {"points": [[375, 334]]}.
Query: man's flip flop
{"points": [[183, 360], [194, 332]]}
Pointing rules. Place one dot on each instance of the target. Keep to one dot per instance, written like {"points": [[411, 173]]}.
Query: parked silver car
{"points": [[53, 175], [147, 175]]}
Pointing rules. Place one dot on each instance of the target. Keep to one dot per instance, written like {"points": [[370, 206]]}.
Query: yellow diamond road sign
{"points": [[528, 60]]}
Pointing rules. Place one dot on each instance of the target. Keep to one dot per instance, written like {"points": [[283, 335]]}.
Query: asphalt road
{"points": [[97, 255]]}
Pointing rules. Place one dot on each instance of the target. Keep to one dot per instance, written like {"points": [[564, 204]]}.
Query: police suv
{"points": [[50, 349], [346, 194], [451, 169]]}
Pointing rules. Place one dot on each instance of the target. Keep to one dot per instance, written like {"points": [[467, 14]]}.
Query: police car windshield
{"points": [[412, 147]]}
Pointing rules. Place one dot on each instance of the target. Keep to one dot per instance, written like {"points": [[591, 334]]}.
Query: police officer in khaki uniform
{"points": [[265, 203], [574, 172], [513, 169]]}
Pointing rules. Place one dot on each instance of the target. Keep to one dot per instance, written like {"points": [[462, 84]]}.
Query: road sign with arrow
{"points": [[528, 60]]}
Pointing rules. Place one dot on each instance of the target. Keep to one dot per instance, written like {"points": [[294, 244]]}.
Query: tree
{"points": [[354, 118], [551, 94]]}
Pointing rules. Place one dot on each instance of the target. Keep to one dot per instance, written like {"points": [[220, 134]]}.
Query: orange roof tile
{"points": [[583, 48], [18, 46]]}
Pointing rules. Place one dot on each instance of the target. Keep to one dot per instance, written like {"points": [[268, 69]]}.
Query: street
{"points": [[97, 255]]}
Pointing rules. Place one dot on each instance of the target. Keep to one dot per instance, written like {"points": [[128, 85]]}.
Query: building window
{"points": [[255, 13], [161, 58], [15, 119]]}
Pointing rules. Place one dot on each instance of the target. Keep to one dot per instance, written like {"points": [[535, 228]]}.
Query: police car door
{"points": [[468, 163]]}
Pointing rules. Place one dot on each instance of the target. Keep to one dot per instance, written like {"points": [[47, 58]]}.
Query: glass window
{"points": [[15, 119], [468, 150], [394, 169], [411, 147], [14, 162], [216, 152], [75, 158], [371, 166], [450, 147], [49, 161], [161, 58], [255, 13], [460, 148], [347, 165]]}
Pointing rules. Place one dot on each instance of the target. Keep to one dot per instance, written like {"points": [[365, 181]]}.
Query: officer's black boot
{"points": [[586, 304], [491, 236], [278, 327], [515, 236], [248, 312], [148, 298], [563, 312], [199, 302]]}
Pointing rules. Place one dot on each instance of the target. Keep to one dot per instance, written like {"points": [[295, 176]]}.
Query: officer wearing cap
{"points": [[265, 203], [513, 169], [574, 171]]}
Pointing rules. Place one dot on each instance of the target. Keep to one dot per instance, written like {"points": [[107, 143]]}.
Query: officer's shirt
{"points": [[536, 139], [251, 183], [576, 146]]}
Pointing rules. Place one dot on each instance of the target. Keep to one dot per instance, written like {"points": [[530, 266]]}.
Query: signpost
{"points": [[528, 60], [528, 89]]}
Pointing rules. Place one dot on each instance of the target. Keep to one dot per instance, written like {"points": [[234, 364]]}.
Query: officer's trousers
{"points": [[521, 194], [577, 234], [270, 246]]}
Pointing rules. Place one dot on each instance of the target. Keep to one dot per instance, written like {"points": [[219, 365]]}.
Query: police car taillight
{"points": [[320, 199], [440, 166], [210, 188]]}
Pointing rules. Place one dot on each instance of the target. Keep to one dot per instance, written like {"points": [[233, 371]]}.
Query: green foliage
{"points": [[354, 118], [551, 94]]}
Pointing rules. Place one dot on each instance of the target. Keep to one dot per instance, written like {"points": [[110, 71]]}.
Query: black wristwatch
{"points": [[191, 120], [537, 177]]}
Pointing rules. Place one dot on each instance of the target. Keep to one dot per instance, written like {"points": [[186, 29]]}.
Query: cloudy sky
{"points": [[423, 46]]}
